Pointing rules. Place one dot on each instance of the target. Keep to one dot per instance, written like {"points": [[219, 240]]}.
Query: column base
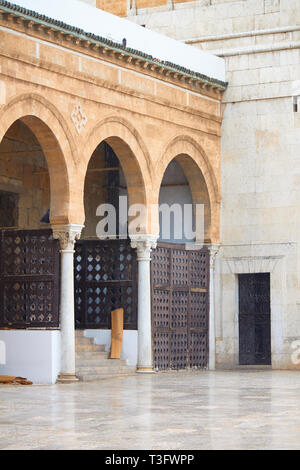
{"points": [[67, 379], [145, 370]]}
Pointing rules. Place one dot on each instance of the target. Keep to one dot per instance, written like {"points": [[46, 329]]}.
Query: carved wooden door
{"points": [[180, 307]]}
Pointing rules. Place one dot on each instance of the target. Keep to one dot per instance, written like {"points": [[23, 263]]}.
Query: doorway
{"points": [[180, 307], [254, 319]]}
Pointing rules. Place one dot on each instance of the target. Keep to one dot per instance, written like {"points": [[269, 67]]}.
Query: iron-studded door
{"points": [[180, 308], [254, 319]]}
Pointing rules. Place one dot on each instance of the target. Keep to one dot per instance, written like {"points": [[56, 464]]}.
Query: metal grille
{"points": [[105, 279], [29, 279], [180, 307]]}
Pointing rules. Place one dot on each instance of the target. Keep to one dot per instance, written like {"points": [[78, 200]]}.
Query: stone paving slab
{"points": [[186, 410]]}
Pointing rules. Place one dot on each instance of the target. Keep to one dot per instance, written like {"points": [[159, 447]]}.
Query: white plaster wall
{"points": [[260, 154], [129, 345], [33, 354]]}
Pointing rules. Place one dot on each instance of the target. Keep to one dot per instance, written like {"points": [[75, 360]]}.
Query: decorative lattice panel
{"points": [[105, 279], [161, 350], [161, 306], [29, 279], [179, 350], [198, 348], [198, 310], [180, 307], [180, 267], [199, 269], [161, 263]]}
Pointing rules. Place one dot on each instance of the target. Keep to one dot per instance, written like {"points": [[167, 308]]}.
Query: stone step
{"points": [[91, 354], [89, 347], [92, 361], [96, 361], [92, 377], [104, 369], [84, 340]]}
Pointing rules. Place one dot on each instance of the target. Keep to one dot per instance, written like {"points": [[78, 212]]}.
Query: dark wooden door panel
{"points": [[254, 319], [180, 307]]}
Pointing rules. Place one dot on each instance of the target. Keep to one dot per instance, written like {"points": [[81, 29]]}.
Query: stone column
{"points": [[213, 250], [170, 4], [131, 8], [144, 245], [67, 235]]}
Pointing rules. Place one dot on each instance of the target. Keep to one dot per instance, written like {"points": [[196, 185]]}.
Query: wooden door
{"points": [[254, 319], [180, 307]]}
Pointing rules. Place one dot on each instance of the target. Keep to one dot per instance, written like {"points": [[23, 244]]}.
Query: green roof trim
{"points": [[9, 7]]}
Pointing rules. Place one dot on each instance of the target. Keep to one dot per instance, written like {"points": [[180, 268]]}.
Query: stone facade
{"points": [[260, 160], [62, 94], [71, 94], [79, 99]]}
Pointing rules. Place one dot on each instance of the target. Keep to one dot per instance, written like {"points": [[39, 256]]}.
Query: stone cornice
{"points": [[84, 77], [45, 28]]}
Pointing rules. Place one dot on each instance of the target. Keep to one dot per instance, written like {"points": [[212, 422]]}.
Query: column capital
{"points": [[67, 235], [213, 251], [144, 244], [131, 10], [170, 4]]}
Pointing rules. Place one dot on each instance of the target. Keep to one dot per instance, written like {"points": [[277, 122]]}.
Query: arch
{"points": [[42, 118], [133, 156], [200, 175]]}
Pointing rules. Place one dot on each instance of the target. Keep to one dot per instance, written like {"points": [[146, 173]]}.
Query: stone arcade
{"points": [[94, 107], [85, 119]]}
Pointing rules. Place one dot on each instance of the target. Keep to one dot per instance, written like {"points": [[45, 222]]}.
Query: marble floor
{"points": [[180, 410]]}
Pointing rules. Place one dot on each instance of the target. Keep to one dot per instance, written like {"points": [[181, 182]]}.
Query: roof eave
{"points": [[102, 43]]}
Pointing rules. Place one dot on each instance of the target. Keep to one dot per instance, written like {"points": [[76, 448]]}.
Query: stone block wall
{"points": [[117, 7], [24, 173], [122, 7]]}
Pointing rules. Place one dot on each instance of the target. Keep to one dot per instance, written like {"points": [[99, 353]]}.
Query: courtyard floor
{"points": [[180, 410]]}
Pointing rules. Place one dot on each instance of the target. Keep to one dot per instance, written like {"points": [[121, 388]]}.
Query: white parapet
{"points": [[93, 20], [33, 354]]}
